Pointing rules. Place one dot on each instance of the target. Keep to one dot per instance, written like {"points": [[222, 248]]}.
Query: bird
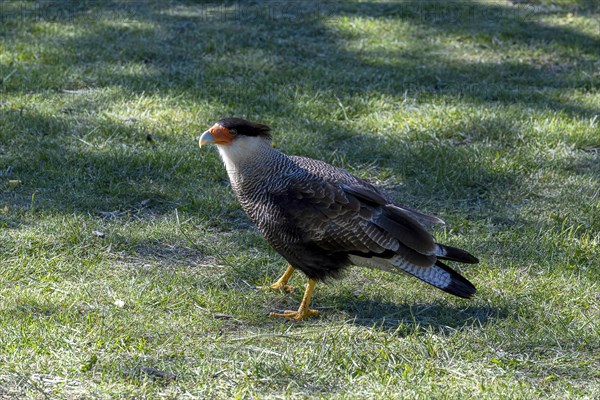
{"points": [[322, 219]]}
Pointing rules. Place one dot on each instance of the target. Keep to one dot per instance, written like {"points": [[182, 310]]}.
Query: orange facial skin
{"points": [[221, 134]]}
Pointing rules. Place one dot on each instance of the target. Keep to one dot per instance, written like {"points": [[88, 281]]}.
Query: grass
{"points": [[127, 268]]}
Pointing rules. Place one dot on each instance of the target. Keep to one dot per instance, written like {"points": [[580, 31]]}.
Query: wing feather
{"points": [[354, 218]]}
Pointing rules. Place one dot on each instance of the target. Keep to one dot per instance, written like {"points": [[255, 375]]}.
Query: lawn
{"points": [[127, 269]]}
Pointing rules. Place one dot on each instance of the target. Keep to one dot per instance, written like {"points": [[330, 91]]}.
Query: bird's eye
{"points": [[233, 132]]}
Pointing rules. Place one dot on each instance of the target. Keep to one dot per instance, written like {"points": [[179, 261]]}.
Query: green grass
{"points": [[484, 113]]}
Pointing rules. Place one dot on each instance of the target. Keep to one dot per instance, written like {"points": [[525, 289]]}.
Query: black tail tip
{"points": [[459, 285], [456, 254], [463, 289]]}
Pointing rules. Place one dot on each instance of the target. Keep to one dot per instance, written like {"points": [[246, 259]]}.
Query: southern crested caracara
{"points": [[322, 219]]}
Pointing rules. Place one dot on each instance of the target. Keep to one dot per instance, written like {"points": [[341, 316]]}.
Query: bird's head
{"points": [[229, 131]]}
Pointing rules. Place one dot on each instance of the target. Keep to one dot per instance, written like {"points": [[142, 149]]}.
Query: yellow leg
{"points": [[281, 283], [303, 310]]}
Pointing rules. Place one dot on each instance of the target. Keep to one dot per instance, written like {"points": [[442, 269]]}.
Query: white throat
{"points": [[244, 150]]}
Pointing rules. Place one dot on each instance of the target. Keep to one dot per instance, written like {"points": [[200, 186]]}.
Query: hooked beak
{"points": [[206, 138], [217, 135]]}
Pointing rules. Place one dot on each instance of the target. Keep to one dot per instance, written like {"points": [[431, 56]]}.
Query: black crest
{"points": [[242, 127]]}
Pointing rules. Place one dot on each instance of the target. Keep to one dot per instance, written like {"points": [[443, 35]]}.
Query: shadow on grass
{"points": [[403, 319], [407, 319], [240, 61]]}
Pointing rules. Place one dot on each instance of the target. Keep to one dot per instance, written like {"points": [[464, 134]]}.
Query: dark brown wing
{"points": [[354, 219]]}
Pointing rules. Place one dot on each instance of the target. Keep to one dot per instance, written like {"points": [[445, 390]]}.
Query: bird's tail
{"points": [[429, 269], [439, 275]]}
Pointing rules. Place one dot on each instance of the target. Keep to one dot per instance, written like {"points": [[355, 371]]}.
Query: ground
{"points": [[128, 269]]}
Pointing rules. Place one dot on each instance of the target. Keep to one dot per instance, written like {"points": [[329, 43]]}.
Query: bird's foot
{"points": [[295, 315], [278, 286]]}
